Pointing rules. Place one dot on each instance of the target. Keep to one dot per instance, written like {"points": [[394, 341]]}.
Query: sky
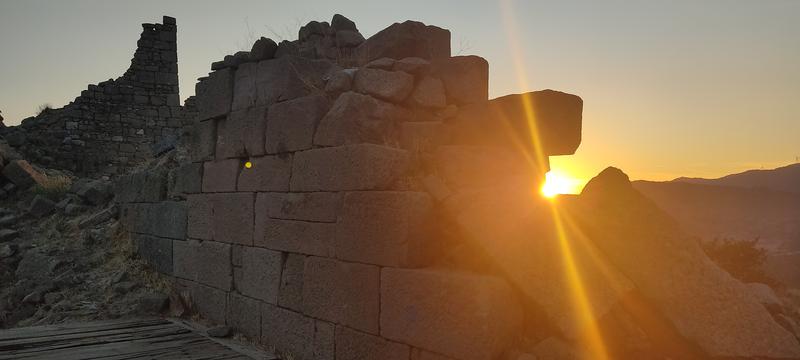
{"points": [[670, 88]]}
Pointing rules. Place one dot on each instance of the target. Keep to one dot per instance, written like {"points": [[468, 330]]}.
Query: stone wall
{"points": [[310, 215], [115, 124]]}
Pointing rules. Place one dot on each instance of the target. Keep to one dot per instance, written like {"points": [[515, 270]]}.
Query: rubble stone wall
{"points": [[310, 220], [117, 123]]}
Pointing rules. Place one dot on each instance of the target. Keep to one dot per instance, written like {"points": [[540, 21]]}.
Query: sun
{"points": [[557, 182]]}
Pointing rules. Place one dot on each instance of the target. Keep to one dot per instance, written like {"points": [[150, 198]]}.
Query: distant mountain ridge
{"points": [[786, 178], [763, 204]]}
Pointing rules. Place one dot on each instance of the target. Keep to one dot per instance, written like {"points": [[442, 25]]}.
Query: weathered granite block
{"points": [[393, 86], [242, 133], [232, 220], [203, 140], [156, 251], [355, 345], [352, 167], [200, 216], [244, 315], [406, 39], [205, 262], [215, 94], [165, 219], [291, 124], [389, 228], [267, 173], [302, 237], [418, 307], [185, 179], [302, 337], [209, 301], [356, 118], [343, 293], [290, 295], [465, 78], [221, 175], [260, 276], [244, 87], [314, 206], [290, 77]]}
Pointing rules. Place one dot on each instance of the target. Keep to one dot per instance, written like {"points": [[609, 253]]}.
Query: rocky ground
{"points": [[64, 256]]}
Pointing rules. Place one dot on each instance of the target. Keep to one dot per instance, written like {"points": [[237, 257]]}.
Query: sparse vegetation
{"points": [[44, 108], [53, 187], [743, 259]]}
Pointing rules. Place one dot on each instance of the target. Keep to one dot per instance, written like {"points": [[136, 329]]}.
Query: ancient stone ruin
{"points": [[115, 124], [352, 198], [336, 197]]}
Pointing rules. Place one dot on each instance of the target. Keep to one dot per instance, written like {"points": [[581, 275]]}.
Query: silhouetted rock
{"points": [[41, 206], [392, 86], [263, 49], [406, 39]]}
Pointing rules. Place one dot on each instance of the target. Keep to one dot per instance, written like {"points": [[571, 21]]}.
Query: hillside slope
{"points": [[786, 178]]}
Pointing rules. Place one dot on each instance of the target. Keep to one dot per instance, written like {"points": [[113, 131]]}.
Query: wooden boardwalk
{"points": [[118, 339]]}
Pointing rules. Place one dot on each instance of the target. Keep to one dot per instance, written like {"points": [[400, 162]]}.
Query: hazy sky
{"points": [[670, 88]]}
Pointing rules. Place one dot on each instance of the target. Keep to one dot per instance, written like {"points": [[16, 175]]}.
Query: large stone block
{"points": [[343, 293], [210, 302], [185, 179], [291, 124], [465, 78], [221, 176], [407, 39], [461, 166], [205, 262], [296, 336], [290, 295], [389, 228], [394, 86], [244, 315], [200, 216], [352, 167], [165, 219], [355, 118], [302, 237], [242, 133], [313, 206], [355, 345], [244, 87], [267, 173], [214, 94], [290, 77], [156, 251], [232, 220], [22, 174], [422, 136], [203, 140], [260, 276], [461, 315], [506, 121], [141, 186]]}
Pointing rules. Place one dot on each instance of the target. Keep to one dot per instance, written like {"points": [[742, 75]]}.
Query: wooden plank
{"points": [[74, 328]]}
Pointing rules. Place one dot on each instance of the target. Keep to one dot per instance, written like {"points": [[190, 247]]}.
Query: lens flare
{"points": [[557, 182]]}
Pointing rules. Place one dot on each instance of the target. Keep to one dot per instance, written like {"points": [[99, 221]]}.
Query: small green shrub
{"points": [[53, 187], [743, 259]]}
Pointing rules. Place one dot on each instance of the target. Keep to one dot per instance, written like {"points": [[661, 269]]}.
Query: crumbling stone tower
{"points": [[116, 123]]}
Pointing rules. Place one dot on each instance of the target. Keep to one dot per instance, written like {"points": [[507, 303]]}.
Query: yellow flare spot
{"points": [[248, 164], [557, 182]]}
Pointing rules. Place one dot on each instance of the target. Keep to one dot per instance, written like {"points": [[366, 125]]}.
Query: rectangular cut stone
{"points": [[461, 166], [203, 140], [221, 175], [200, 216], [421, 136], [242, 133], [389, 228], [165, 219], [244, 88], [315, 206], [351, 167], [465, 78], [298, 336], [156, 251], [233, 217], [417, 308], [244, 315], [215, 94], [205, 262], [290, 295], [344, 293], [302, 237], [185, 179], [289, 77], [260, 276], [210, 302], [141, 186], [267, 173], [355, 345], [291, 124]]}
